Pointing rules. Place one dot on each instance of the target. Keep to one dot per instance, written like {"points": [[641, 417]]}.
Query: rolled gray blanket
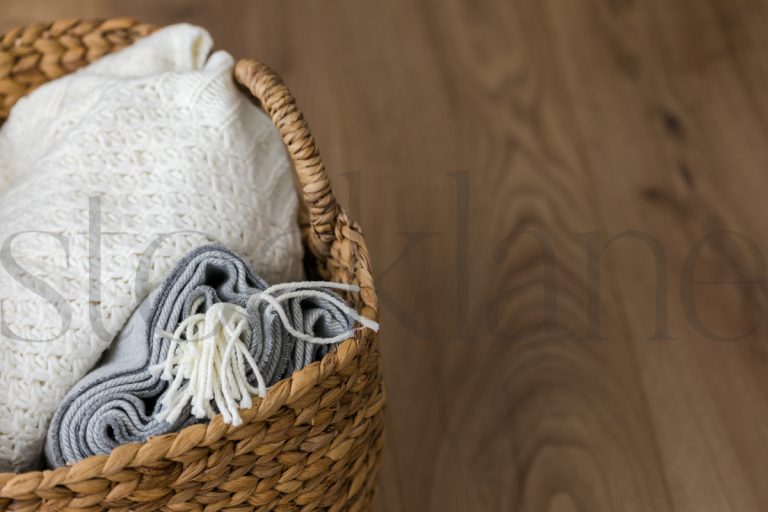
{"points": [[119, 401]]}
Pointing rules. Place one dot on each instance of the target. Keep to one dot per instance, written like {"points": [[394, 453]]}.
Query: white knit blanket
{"points": [[140, 157]]}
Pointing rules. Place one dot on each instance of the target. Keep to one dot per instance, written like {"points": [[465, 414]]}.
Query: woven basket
{"points": [[314, 441]]}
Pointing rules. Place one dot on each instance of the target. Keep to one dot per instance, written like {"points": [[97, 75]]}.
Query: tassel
{"points": [[208, 357], [207, 361]]}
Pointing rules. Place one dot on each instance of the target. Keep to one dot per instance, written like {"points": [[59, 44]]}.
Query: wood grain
{"points": [[540, 183]]}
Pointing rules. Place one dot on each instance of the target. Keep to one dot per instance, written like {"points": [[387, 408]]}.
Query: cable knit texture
{"points": [[137, 159]]}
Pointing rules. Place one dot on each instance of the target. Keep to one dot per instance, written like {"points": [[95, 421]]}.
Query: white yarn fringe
{"points": [[208, 359]]}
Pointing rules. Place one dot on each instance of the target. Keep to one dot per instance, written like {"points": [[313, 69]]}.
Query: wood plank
{"points": [[668, 125], [556, 419]]}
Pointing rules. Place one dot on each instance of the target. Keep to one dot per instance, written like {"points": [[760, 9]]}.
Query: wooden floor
{"points": [[566, 205]]}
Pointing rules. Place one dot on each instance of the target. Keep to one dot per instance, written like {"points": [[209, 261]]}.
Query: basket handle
{"points": [[275, 98]]}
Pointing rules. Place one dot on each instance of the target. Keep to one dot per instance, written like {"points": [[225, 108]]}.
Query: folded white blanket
{"points": [[108, 177]]}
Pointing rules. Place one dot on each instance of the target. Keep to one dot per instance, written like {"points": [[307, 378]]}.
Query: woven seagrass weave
{"points": [[314, 441]]}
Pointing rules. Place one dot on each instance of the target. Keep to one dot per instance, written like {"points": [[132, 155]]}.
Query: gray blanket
{"points": [[117, 402]]}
